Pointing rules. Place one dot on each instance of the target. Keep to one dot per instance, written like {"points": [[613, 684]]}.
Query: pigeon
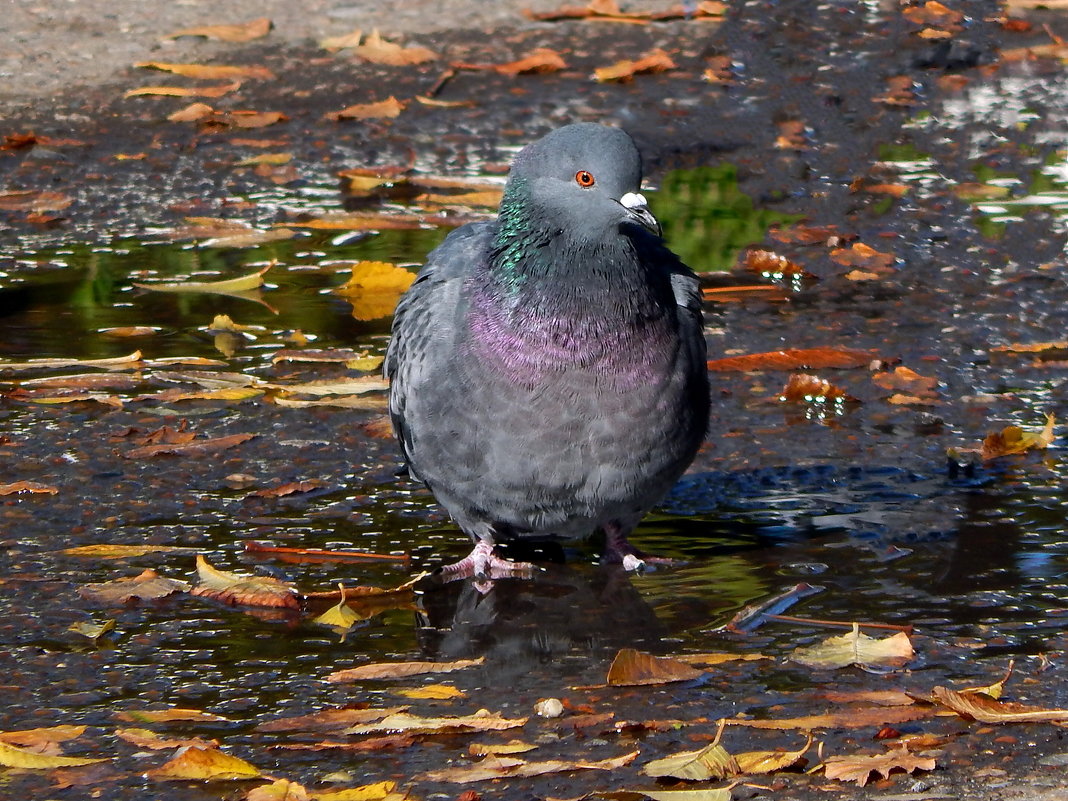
{"points": [[547, 369]]}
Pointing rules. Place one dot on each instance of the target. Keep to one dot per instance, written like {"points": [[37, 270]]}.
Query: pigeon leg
{"points": [[617, 549], [484, 563]]}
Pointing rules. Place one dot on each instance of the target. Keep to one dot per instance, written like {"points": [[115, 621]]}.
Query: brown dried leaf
{"points": [[794, 359], [34, 200], [807, 234], [858, 718], [204, 764], [247, 119], [383, 109], [631, 667], [985, 709], [899, 92], [710, 762], [881, 697], [656, 60], [146, 738], [329, 720], [149, 585], [857, 648], [1031, 347], [239, 590], [195, 448], [493, 767], [378, 51], [245, 32], [770, 761], [863, 256], [185, 91], [1013, 439], [541, 59], [399, 670], [27, 487], [859, 768], [909, 381], [402, 722], [737, 294], [168, 716], [209, 71], [342, 42], [805, 388], [291, 488]]}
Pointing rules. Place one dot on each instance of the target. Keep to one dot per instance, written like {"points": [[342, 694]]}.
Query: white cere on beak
{"points": [[633, 200]]}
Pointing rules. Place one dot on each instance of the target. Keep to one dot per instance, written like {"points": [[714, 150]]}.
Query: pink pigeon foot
{"points": [[484, 563]]}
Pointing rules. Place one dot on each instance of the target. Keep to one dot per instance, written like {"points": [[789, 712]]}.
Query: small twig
{"points": [[838, 623], [753, 615], [320, 553], [439, 84]]}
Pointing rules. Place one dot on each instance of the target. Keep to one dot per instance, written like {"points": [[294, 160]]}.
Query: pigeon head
{"points": [[582, 179]]}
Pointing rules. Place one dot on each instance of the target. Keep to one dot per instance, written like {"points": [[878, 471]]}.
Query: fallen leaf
{"points": [[997, 688], [863, 256], [270, 159], [209, 71], [124, 331], [932, 13], [770, 761], [985, 709], [27, 488], [239, 590], [371, 744], [493, 767], [541, 59], [168, 716], [899, 92], [200, 447], [710, 762], [12, 757], [771, 264], [656, 60], [329, 720], [342, 42], [1013, 439], [808, 234], [146, 738], [204, 764], [631, 667], [92, 630], [194, 112], [794, 359], [858, 718], [434, 692], [184, 91], [860, 767], [708, 794], [34, 200], [378, 51], [374, 288], [343, 386], [735, 294], [245, 118], [793, 135], [857, 648], [1031, 347], [290, 488], [37, 738], [110, 551], [399, 670], [490, 198], [881, 697], [403, 722], [280, 790], [240, 284], [244, 32], [718, 659], [147, 586], [497, 749], [805, 388], [383, 109], [902, 378]]}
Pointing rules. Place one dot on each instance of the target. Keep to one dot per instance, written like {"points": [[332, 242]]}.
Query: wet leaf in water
{"points": [[770, 761], [794, 359], [850, 719], [209, 71], [881, 697], [710, 762], [769, 263], [857, 648], [863, 256], [184, 91], [146, 738], [805, 388], [33, 200], [383, 109], [364, 402], [483, 720], [736, 294], [240, 284], [92, 630], [12, 757], [400, 670], [342, 42], [1011, 440], [493, 767], [342, 386], [708, 794], [656, 60], [541, 59], [793, 135], [109, 551], [808, 234], [1031, 347], [168, 716], [194, 112], [631, 667], [204, 764], [899, 92], [270, 159], [993, 690], [860, 767], [496, 749], [38, 738], [932, 13], [244, 32], [329, 720], [917, 387], [125, 331], [241, 590], [27, 488], [147, 586], [379, 51], [290, 488], [432, 692], [490, 198], [985, 709], [374, 288], [195, 448], [352, 359], [718, 659]]}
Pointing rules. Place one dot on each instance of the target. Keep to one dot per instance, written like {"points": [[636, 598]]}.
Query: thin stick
{"points": [[838, 623], [259, 547]]}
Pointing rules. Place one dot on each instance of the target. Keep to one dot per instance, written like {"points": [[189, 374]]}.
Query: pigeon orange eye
{"points": [[584, 179]]}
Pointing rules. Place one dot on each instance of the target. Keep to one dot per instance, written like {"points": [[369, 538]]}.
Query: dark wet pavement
{"points": [[856, 498]]}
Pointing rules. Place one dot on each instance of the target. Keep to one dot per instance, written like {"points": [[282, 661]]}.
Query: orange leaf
{"points": [[858, 718], [862, 256], [378, 51], [769, 263], [631, 667], [246, 32], [208, 71], [33, 200], [383, 109], [805, 388], [192, 113], [194, 448], [395, 670], [541, 59], [31, 487], [239, 590], [185, 91], [204, 764], [908, 381], [988, 710], [794, 359], [859, 768], [655, 60], [168, 716], [932, 13]]}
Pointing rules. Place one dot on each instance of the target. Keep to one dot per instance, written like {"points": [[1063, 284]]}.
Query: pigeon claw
{"points": [[484, 564]]}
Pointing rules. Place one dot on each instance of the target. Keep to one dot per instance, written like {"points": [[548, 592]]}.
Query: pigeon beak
{"points": [[639, 212]]}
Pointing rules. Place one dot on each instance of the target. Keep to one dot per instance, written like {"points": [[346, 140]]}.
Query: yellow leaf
{"points": [[266, 158], [655, 60], [185, 91], [856, 648], [494, 749], [347, 40], [246, 32], [12, 757], [399, 670], [110, 551], [233, 588], [168, 715], [94, 631], [279, 790], [209, 71], [710, 762], [435, 692], [42, 736], [204, 764], [770, 761], [374, 288], [241, 284], [366, 792]]}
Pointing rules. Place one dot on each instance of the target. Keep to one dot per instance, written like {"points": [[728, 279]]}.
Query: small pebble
{"points": [[549, 708]]}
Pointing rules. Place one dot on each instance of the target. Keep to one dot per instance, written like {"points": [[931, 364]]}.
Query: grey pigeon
{"points": [[547, 369]]}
